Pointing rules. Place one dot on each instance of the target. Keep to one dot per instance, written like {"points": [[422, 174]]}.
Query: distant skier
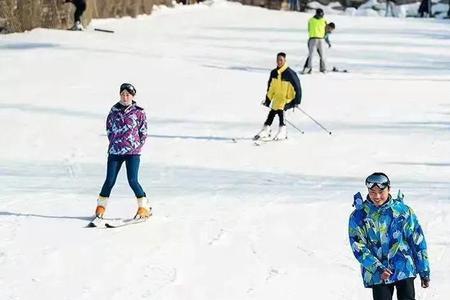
{"points": [[329, 28], [392, 8], [80, 7], [425, 8], [387, 240], [283, 92], [294, 5], [126, 127], [316, 32]]}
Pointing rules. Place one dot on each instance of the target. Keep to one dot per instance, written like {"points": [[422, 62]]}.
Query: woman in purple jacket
{"points": [[126, 127]]}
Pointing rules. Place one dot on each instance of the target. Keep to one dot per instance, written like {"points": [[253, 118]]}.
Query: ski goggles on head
{"points": [[378, 179], [128, 87]]}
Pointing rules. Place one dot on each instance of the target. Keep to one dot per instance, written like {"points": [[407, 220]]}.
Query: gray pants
{"points": [[390, 6], [313, 46]]}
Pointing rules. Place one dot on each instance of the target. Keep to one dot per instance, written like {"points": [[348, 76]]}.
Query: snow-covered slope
{"points": [[231, 220]]}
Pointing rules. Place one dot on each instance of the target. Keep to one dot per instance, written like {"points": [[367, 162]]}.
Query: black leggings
{"points": [[80, 8], [405, 290], [272, 115]]}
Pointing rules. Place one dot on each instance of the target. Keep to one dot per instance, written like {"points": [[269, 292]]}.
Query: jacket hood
{"points": [[119, 107]]}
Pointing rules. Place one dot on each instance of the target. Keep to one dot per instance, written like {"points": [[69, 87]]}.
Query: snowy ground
{"points": [[232, 220], [377, 8]]}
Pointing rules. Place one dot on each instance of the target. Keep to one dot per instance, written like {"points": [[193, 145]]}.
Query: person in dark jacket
{"points": [[283, 92], [388, 241], [80, 7]]}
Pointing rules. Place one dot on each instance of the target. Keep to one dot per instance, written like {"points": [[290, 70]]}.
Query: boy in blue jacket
{"points": [[387, 240]]}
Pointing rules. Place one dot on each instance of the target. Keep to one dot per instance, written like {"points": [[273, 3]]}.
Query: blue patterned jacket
{"points": [[387, 237]]}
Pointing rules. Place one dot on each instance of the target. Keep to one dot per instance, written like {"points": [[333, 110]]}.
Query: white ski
{"points": [[96, 222], [125, 222], [261, 141]]}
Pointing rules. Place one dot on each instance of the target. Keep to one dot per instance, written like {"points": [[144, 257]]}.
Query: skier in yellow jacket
{"points": [[283, 92], [316, 31]]}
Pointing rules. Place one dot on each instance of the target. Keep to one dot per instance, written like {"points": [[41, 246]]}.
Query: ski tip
{"points": [[96, 222]]}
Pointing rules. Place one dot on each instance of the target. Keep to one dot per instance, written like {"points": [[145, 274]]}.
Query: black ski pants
{"points": [[80, 7], [424, 8], [405, 290], [272, 115]]}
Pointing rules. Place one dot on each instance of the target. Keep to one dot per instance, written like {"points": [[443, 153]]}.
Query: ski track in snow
{"points": [[231, 220]]}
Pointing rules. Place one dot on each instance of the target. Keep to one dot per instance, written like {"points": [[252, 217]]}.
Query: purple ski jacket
{"points": [[126, 128]]}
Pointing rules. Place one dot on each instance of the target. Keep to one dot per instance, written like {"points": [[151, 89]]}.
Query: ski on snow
{"points": [[126, 222], [261, 141], [113, 223], [96, 222]]}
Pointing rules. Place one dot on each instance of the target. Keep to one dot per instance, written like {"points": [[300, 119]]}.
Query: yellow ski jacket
{"points": [[283, 89]]}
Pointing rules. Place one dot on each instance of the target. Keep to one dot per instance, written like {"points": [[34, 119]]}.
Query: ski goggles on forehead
{"points": [[128, 87], [379, 180]]}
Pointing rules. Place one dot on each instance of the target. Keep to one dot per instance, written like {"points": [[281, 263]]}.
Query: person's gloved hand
{"points": [[265, 102], [425, 282]]}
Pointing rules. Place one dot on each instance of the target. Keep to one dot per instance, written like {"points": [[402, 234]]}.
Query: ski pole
{"points": [[299, 130], [321, 126]]}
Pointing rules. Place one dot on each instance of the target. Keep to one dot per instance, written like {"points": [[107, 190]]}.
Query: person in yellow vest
{"points": [[283, 92], [328, 31], [316, 31]]}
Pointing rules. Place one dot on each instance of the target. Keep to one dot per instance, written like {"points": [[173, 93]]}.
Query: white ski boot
{"points": [[264, 133], [101, 206], [281, 134], [306, 71], [77, 26], [144, 210]]}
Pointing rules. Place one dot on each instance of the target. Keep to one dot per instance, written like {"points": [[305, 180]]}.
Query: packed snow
{"points": [[377, 8], [231, 220]]}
